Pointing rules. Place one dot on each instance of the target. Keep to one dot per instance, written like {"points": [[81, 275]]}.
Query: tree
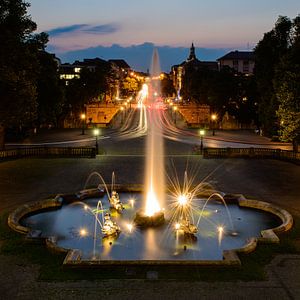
{"points": [[287, 88], [223, 91], [91, 86], [129, 86], [50, 93], [18, 64], [167, 88], [268, 52]]}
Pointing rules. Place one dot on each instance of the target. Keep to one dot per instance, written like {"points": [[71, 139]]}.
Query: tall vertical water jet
{"points": [[154, 176]]}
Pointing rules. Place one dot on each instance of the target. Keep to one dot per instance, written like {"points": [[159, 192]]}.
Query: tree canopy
{"points": [[270, 69], [18, 64]]}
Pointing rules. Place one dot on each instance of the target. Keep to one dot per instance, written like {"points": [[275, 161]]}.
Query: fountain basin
{"points": [[158, 245]]}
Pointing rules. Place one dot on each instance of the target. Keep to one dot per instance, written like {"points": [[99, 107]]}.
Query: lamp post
{"points": [[129, 100], [175, 110], [213, 118], [122, 113], [96, 134], [202, 133], [82, 117], [126, 103]]}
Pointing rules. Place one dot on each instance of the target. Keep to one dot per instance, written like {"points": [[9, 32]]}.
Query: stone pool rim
{"points": [[73, 256]]}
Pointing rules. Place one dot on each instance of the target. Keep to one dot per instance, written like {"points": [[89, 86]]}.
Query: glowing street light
{"points": [[82, 117], [202, 133], [213, 118], [96, 134]]}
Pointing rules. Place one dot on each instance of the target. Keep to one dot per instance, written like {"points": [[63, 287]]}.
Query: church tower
{"points": [[192, 53]]}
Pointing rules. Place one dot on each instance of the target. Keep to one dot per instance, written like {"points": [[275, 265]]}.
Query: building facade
{"points": [[192, 62], [242, 62]]}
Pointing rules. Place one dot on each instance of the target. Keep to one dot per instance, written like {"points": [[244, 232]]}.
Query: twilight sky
{"points": [[231, 24]]}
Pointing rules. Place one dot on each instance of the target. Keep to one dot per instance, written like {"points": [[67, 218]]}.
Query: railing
{"points": [[252, 153], [45, 152]]}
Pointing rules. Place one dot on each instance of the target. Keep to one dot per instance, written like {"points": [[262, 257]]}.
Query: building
{"points": [[192, 62], [70, 71], [242, 62], [120, 65]]}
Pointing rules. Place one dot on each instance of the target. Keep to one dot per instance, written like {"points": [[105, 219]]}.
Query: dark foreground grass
{"points": [[253, 265]]}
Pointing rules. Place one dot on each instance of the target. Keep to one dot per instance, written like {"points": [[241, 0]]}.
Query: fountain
{"points": [[154, 226], [152, 215]]}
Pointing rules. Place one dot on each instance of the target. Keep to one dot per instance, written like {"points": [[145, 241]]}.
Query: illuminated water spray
{"points": [[154, 146]]}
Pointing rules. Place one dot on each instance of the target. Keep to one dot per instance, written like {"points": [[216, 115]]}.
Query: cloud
{"points": [[102, 29], [83, 28], [66, 29]]}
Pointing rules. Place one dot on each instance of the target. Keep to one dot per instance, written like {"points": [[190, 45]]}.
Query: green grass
{"points": [[14, 245]]}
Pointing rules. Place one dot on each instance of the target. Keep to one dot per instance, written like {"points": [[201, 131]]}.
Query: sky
{"points": [[76, 25]]}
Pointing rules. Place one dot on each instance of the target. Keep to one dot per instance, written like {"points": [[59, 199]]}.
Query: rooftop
{"points": [[245, 55]]}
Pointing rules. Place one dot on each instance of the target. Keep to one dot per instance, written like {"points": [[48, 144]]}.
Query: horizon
{"points": [[169, 56]]}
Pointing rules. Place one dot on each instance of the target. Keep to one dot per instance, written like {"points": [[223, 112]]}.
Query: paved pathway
{"points": [[222, 138], [283, 284]]}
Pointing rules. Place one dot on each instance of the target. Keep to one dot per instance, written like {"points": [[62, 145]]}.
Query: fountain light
{"points": [[152, 206], [177, 226], [131, 201], [182, 199], [130, 227], [153, 215], [83, 232], [220, 235], [220, 229], [86, 207]]}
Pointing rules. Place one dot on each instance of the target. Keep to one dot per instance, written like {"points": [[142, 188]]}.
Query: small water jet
{"points": [[113, 197]]}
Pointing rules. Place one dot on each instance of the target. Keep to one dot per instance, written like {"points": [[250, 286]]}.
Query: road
{"points": [[133, 124]]}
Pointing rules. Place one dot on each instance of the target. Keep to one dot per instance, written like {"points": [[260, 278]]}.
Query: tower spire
{"points": [[192, 55]]}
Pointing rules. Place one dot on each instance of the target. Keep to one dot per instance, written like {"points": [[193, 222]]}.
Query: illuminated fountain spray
{"points": [[154, 177]]}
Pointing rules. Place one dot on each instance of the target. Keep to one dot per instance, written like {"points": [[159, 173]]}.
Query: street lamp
{"points": [[175, 110], [213, 118], [126, 103], [96, 134], [82, 117], [122, 113], [202, 133]]}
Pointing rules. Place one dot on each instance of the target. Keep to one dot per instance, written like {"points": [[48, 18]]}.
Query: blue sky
{"points": [[231, 24]]}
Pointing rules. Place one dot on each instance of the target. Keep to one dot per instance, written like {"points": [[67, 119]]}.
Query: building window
{"points": [[77, 70], [246, 66], [69, 76], [235, 64]]}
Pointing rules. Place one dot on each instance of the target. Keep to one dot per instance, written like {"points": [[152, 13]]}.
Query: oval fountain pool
{"points": [[76, 226]]}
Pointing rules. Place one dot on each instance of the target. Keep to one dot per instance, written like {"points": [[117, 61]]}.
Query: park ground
{"points": [[28, 180]]}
